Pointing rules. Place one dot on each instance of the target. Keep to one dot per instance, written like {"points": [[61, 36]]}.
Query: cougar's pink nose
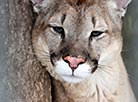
{"points": [[73, 61]]}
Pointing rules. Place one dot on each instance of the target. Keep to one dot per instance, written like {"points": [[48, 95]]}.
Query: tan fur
{"points": [[81, 2], [108, 85]]}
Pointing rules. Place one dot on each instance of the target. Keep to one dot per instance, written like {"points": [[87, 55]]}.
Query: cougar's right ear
{"points": [[38, 5], [121, 6]]}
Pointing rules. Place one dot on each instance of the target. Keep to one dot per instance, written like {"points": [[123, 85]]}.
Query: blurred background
{"points": [[130, 49]]}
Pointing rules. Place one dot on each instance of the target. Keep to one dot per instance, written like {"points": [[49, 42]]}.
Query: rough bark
{"points": [[22, 78]]}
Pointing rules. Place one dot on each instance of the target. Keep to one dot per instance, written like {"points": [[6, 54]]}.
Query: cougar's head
{"points": [[78, 36]]}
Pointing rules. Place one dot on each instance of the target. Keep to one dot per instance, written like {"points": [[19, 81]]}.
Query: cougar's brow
{"points": [[93, 21], [63, 18]]}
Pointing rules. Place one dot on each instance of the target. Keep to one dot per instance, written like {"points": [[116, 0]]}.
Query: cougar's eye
{"points": [[96, 33], [59, 30]]}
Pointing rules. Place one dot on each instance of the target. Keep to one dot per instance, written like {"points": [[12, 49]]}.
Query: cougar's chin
{"points": [[82, 72]]}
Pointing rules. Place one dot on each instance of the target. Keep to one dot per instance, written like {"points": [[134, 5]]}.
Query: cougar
{"points": [[80, 43]]}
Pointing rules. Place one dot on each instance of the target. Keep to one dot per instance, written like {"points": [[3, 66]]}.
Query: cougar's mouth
{"points": [[73, 69]]}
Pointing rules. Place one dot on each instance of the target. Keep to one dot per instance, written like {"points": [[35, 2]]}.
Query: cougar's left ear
{"points": [[122, 6], [38, 5]]}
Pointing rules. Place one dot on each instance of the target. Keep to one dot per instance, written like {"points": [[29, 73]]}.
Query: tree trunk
{"points": [[22, 78]]}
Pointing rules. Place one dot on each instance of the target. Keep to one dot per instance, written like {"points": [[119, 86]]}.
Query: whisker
{"points": [[101, 69], [109, 69], [124, 51], [103, 66], [132, 78]]}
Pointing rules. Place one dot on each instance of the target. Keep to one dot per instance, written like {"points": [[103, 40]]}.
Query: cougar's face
{"points": [[78, 42]]}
